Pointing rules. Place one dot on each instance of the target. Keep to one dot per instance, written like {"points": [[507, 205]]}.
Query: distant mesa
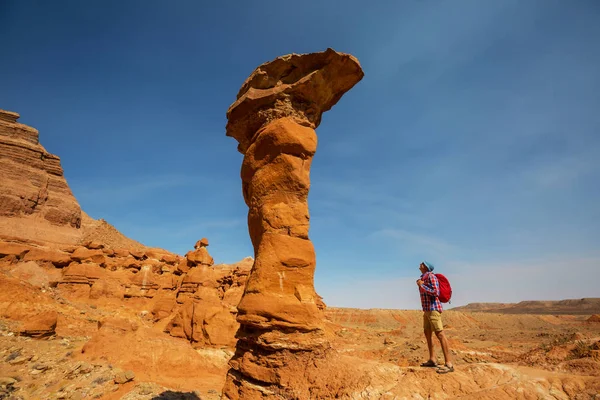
{"points": [[584, 306]]}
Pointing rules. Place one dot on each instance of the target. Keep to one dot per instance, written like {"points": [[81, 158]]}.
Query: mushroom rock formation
{"points": [[201, 243], [197, 257], [281, 322]]}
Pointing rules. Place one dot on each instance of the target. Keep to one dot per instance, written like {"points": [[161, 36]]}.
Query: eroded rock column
{"points": [[274, 120]]}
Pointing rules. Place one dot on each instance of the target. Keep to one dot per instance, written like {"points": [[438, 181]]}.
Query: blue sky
{"points": [[473, 140]]}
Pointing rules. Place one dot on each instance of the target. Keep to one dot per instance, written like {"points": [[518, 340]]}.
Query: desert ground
{"points": [[114, 350]]}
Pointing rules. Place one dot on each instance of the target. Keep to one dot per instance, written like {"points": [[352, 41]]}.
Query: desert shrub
{"points": [[581, 349], [100, 380], [561, 340]]}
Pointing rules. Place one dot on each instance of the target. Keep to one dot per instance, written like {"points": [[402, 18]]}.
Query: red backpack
{"points": [[445, 288]]}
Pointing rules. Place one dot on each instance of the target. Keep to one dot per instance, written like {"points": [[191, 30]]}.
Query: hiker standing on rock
{"points": [[429, 289]]}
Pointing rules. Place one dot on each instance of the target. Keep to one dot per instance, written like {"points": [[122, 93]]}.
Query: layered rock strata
{"points": [[32, 179], [274, 119]]}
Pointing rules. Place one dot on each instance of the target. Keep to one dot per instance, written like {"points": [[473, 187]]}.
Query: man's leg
{"points": [[428, 331], [438, 327], [429, 337], [445, 348]]}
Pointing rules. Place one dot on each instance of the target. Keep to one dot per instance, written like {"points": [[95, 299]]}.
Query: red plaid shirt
{"points": [[430, 291]]}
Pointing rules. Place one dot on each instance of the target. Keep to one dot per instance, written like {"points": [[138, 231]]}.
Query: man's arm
{"points": [[431, 285]]}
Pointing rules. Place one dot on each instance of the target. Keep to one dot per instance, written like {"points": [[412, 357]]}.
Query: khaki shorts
{"points": [[432, 321]]}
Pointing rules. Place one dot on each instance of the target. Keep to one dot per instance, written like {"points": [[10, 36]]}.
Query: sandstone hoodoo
{"points": [[31, 178], [281, 322]]}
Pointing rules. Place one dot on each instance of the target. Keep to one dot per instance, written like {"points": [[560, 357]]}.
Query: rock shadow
{"points": [[171, 395]]}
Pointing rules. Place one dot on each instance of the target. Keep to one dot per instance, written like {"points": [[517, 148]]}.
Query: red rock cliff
{"points": [[32, 179]]}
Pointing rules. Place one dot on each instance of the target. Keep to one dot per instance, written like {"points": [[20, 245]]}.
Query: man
{"points": [[429, 289]]}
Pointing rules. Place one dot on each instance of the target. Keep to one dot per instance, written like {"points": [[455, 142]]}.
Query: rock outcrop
{"points": [[594, 318], [197, 257], [32, 179], [274, 119], [197, 304], [209, 296], [41, 325]]}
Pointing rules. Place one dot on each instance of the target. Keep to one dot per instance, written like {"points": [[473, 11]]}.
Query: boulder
{"points": [[201, 243], [40, 325], [199, 256], [204, 323], [57, 258], [121, 253], [83, 253], [93, 245], [35, 275], [106, 288], [13, 249], [163, 307]]}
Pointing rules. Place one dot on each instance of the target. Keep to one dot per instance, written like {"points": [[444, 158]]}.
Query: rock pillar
{"points": [[274, 120]]}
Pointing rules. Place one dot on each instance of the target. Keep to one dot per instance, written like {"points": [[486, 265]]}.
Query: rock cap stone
{"points": [[301, 86]]}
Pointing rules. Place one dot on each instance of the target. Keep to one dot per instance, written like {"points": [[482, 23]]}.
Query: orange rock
{"points": [[202, 276], [163, 307], [31, 178], [13, 249], [219, 326], [104, 288], [43, 324], [204, 323], [74, 291], [199, 256], [83, 253], [156, 358], [117, 324], [83, 273], [93, 245], [160, 255], [299, 85], [167, 281], [35, 275], [233, 295], [99, 259], [170, 259], [273, 120], [129, 262], [139, 255], [122, 253], [183, 267], [201, 243], [145, 278]]}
